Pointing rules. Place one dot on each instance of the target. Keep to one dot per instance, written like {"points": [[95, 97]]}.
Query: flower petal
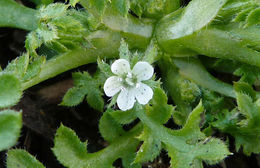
{"points": [[112, 86], [126, 99], [143, 93], [143, 71], [120, 67]]}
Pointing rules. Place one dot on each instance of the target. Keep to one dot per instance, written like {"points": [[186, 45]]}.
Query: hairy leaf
{"points": [[10, 127], [188, 145], [18, 158], [245, 129], [71, 152], [85, 85], [10, 90]]}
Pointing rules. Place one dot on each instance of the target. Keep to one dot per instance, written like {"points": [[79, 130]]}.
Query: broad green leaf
{"points": [[10, 127], [18, 158], [10, 90], [194, 17]]}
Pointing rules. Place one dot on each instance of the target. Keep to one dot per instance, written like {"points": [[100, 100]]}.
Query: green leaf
{"points": [[10, 127], [194, 17], [74, 2], [124, 117], [154, 8], [73, 97], [151, 53], [18, 158], [159, 110], [34, 68], [150, 148], [109, 128], [248, 73], [46, 2], [96, 9], [71, 152], [10, 90], [53, 10], [187, 146], [68, 149], [85, 86], [245, 88], [124, 52], [245, 129], [18, 66], [122, 6], [253, 18]]}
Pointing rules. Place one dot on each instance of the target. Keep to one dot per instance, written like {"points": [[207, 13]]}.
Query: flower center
{"points": [[130, 80]]}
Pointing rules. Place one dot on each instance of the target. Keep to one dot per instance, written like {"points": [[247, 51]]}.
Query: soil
{"points": [[42, 115]]}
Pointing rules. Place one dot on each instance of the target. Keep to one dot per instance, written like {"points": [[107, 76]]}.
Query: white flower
{"points": [[128, 83]]}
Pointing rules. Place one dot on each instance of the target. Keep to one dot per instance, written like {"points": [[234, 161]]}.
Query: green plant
{"points": [[186, 43]]}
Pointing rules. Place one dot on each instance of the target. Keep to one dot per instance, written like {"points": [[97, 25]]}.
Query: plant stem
{"points": [[106, 46], [15, 15]]}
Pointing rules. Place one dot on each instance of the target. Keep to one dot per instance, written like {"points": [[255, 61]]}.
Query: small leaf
{"points": [[73, 97], [18, 66], [53, 10], [34, 68], [10, 127], [151, 53], [17, 158], [95, 100], [124, 52], [10, 90]]}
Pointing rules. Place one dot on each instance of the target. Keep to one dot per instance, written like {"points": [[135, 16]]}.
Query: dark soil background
{"points": [[42, 115]]}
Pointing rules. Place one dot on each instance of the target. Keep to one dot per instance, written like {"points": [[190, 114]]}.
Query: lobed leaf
{"points": [[85, 86], [245, 129]]}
